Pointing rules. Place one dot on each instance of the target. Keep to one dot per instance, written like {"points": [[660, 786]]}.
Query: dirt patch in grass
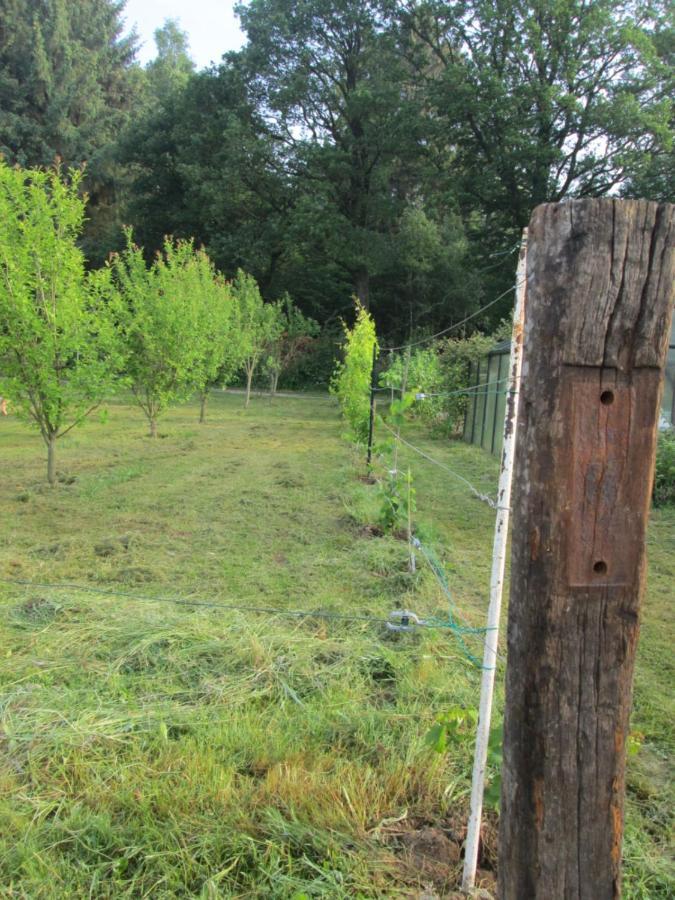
{"points": [[434, 853]]}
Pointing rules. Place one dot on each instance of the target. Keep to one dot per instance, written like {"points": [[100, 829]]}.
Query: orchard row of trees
{"points": [[71, 337], [391, 149]]}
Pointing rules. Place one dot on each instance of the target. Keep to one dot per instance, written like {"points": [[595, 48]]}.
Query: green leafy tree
{"points": [[161, 323], [296, 332], [331, 77], [171, 69], [540, 99], [260, 325], [60, 354], [68, 87], [219, 332], [204, 169], [352, 376], [664, 475]]}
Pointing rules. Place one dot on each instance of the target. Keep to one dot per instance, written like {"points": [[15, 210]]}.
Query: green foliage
{"points": [[314, 367], [399, 407], [260, 325], [455, 726], [351, 379], [664, 477], [171, 69], [457, 356], [68, 87], [59, 350], [441, 372], [565, 97], [170, 341], [456, 730], [217, 328], [331, 68], [424, 375], [290, 340], [397, 496]]}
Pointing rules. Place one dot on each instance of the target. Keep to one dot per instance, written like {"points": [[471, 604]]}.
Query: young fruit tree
{"points": [[292, 341], [218, 332], [259, 323], [161, 324], [351, 381], [60, 354]]}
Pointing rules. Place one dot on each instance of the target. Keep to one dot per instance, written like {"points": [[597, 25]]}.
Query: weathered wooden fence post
{"points": [[599, 301]]}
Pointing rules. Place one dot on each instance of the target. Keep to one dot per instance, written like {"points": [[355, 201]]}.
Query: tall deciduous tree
{"points": [[540, 100], [67, 88], [205, 170], [59, 350], [171, 69], [334, 87]]}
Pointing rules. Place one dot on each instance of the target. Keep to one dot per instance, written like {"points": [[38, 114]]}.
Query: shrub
{"points": [[664, 478], [442, 370], [314, 367], [423, 375], [397, 501]]}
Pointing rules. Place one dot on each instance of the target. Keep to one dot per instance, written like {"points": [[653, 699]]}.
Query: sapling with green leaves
{"points": [[352, 376], [454, 732], [295, 337], [161, 324], [60, 354], [218, 330], [259, 323]]}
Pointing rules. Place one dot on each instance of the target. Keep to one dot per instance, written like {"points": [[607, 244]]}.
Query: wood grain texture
{"points": [[598, 309]]}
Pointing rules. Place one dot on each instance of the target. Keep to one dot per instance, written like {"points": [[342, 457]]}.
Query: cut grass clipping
{"points": [[152, 749]]}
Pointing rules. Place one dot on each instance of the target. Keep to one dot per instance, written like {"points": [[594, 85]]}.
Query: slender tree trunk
{"points": [[202, 408], [153, 426], [51, 459], [249, 380], [274, 381]]}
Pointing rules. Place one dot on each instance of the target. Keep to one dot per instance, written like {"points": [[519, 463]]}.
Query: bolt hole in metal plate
{"points": [[607, 431]]}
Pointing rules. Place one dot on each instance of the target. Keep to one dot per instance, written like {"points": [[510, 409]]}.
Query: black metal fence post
{"points": [[371, 423]]}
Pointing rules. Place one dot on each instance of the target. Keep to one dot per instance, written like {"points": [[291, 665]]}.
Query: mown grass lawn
{"points": [[153, 749]]}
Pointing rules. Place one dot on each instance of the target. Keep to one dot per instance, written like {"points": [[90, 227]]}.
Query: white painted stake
{"points": [[497, 577]]}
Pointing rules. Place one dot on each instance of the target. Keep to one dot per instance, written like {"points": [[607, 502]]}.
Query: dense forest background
{"points": [[388, 149]]}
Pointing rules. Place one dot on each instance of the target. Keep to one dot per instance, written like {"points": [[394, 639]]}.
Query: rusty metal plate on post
{"points": [[613, 424]]}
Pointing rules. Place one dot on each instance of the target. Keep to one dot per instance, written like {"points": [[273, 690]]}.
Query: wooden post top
{"points": [[619, 254]]}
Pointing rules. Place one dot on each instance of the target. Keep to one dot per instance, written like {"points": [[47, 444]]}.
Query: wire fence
{"points": [[485, 498], [454, 326], [397, 620]]}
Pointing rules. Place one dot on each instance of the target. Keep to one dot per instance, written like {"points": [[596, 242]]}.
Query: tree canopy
{"points": [[68, 88], [387, 149], [60, 353]]}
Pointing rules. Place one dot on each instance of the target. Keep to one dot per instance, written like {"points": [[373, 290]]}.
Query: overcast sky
{"points": [[211, 26]]}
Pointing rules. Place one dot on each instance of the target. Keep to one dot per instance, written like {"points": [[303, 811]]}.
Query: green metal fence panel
{"points": [[484, 418]]}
